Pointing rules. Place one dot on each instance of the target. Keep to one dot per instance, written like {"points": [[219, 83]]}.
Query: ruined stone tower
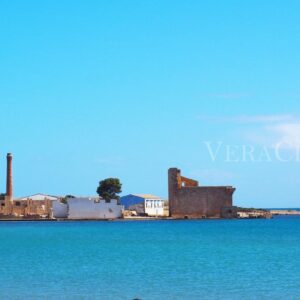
{"points": [[189, 200]]}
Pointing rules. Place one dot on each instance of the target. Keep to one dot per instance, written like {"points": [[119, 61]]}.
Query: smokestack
{"points": [[9, 177]]}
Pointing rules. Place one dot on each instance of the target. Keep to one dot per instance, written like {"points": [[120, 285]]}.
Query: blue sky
{"points": [[96, 89]]}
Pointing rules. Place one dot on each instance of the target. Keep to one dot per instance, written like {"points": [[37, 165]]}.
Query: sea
{"points": [[147, 260]]}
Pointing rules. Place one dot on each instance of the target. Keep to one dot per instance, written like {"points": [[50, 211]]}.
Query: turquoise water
{"points": [[205, 259]]}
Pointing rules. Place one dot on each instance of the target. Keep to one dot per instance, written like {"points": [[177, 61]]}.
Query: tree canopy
{"points": [[65, 199], [109, 189]]}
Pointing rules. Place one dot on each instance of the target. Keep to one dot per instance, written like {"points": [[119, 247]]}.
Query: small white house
{"points": [[144, 203]]}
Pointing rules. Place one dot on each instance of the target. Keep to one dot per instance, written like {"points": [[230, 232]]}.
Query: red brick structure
{"points": [[188, 200], [8, 203], [9, 176], [22, 207]]}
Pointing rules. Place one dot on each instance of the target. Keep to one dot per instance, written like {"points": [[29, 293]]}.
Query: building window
{"points": [[18, 203]]}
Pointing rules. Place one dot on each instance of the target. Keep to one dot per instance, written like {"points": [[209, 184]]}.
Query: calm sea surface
{"points": [[205, 259]]}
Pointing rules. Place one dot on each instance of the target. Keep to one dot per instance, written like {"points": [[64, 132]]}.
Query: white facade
{"points": [[87, 208], [59, 210], [149, 204], [154, 207]]}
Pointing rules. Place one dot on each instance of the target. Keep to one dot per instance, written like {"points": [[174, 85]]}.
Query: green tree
{"points": [[64, 200], [2, 196], [109, 189]]}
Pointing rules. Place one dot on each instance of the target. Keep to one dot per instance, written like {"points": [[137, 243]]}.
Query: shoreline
{"points": [[285, 212], [138, 219], [254, 214]]}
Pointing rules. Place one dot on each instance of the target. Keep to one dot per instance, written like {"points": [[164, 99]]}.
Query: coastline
{"points": [[285, 212], [250, 214], [140, 219]]}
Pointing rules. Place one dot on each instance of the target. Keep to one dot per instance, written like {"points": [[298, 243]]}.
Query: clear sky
{"points": [[96, 89]]}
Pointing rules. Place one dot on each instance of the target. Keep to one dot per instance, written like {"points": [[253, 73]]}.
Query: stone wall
{"points": [[188, 200], [27, 208]]}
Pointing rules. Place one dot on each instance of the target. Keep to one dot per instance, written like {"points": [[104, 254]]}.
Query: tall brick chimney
{"points": [[9, 177]]}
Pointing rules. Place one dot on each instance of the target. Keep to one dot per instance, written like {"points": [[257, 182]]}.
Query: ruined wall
{"points": [[38, 208], [192, 201], [28, 208], [21, 208]]}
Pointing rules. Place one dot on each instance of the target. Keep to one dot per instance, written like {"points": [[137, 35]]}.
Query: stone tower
{"points": [[173, 180], [189, 200]]}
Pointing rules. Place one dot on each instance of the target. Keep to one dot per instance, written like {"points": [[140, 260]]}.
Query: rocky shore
{"points": [[252, 213], [285, 212]]}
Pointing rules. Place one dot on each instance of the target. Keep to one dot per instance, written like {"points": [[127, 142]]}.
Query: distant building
{"points": [[144, 204], [47, 206], [189, 200], [35, 205], [39, 197], [87, 208]]}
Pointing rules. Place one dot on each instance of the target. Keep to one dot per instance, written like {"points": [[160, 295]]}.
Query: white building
{"points": [[59, 210], [144, 203], [38, 197], [87, 208]]}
